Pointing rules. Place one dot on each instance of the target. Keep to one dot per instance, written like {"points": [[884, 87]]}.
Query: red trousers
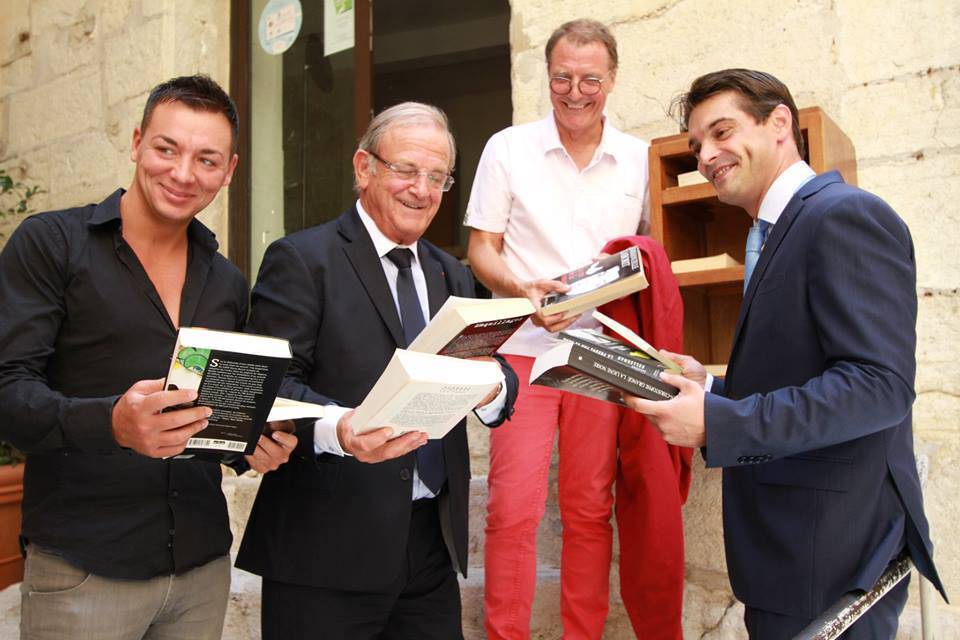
{"points": [[650, 528], [651, 564]]}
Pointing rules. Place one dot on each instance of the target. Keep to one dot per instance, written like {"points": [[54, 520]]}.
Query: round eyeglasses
{"points": [[410, 173], [589, 86]]}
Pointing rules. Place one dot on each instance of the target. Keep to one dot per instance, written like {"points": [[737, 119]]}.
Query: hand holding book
{"points": [[376, 445], [604, 279], [137, 422], [537, 291], [490, 397], [689, 367], [273, 448], [679, 420]]}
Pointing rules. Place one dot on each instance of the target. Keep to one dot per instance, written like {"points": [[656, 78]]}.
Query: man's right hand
{"points": [[377, 445], [138, 424], [689, 367], [535, 291]]}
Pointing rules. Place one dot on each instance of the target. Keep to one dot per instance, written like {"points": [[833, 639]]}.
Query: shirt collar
{"points": [[382, 243], [782, 190], [608, 140], [107, 213]]}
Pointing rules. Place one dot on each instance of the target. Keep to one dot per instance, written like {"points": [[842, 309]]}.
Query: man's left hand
{"points": [[272, 451], [679, 420], [496, 390]]}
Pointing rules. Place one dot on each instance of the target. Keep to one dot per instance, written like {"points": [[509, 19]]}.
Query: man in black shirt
{"points": [[121, 540]]}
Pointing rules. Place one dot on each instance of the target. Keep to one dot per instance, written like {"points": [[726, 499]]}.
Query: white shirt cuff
{"points": [[489, 412], [708, 385], [325, 431]]}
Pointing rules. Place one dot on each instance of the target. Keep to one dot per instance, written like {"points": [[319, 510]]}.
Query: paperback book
{"points": [[588, 363], [235, 374], [425, 392], [597, 283], [472, 327]]}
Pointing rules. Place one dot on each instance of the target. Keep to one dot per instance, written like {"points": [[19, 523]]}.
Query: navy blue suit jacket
{"points": [[325, 520], [813, 421]]}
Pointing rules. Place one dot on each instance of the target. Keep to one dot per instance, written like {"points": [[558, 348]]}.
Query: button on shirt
{"points": [[325, 431], [80, 322], [555, 217]]}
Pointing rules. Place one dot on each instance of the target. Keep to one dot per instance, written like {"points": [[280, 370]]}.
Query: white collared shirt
{"points": [[783, 189], [555, 217], [325, 429]]}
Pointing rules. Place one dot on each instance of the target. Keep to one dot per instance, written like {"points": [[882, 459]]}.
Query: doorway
{"points": [[303, 109]]}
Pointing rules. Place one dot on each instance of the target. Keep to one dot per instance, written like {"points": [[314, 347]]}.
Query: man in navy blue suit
{"points": [[812, 424]]}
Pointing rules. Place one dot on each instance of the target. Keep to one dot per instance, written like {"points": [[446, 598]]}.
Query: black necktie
{"points": [[430, 464]]}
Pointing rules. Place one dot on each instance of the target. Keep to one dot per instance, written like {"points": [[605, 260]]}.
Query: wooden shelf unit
{"points": [[691, 223]]}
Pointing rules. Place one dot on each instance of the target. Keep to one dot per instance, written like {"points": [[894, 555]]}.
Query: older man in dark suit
{"points": [[813, 422], [352, 549]]}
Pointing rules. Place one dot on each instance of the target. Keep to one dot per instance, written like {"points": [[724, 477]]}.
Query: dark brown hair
{"points": [[759, 94], [583, 32], [199, 92]]}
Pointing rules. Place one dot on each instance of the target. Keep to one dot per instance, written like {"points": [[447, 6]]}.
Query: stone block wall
{"points": [[74, 75]]}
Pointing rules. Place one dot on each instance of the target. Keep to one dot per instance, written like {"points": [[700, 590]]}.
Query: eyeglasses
{"points": [[410, 173], [561, 85]]}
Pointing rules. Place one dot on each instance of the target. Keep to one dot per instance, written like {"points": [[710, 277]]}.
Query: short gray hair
{"points": [[582, 32], [406, 114]]}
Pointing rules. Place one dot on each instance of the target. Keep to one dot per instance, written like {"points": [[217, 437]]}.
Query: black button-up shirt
{"points": [[80, 322]]}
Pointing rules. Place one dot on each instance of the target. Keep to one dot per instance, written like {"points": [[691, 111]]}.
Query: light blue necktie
{"points": [[755, 240]]}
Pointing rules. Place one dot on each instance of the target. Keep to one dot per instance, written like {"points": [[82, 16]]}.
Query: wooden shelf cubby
{"points": [[690, 222]]}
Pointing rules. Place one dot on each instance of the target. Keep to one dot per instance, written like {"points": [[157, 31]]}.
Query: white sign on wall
{"points": [[337, 26], [280, 23]]}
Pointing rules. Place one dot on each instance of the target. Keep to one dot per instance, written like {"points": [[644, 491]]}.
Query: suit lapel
{"points": [[777, 235], [437, 292], [366, 263]]}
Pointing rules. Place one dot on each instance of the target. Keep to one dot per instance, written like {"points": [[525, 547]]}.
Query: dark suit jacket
{"points": [[813, 422], [331, 521]]}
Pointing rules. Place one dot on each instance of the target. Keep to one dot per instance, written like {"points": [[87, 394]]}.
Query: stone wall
{"points": [[74, 75], [889, 74]]}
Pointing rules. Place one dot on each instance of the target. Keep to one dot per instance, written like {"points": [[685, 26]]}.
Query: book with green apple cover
{"points": [[235, 374]]}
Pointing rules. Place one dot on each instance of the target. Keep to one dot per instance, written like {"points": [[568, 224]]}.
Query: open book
{"points": [[471, 327], [632, 338], [591, 364], [235, 374], [425, 392], [597, 283]]}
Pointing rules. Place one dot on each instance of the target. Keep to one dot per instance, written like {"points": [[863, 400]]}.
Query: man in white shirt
{"points": [[812, 424], [547, 197]]}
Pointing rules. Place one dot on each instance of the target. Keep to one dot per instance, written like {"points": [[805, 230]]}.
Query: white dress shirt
{"points": [[782, 191], [555, 217], [325, 430]]}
